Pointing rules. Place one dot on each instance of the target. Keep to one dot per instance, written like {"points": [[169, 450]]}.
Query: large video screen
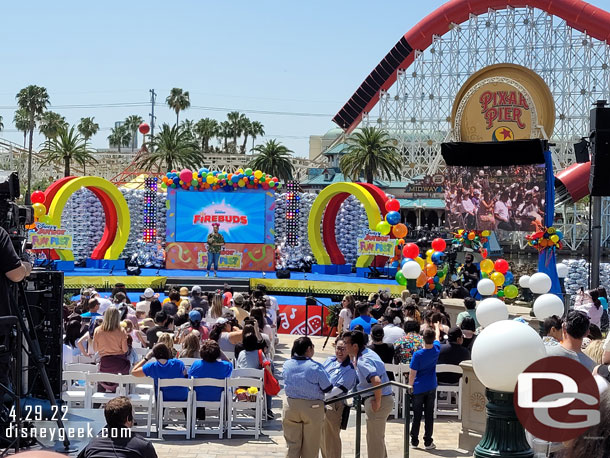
{"points": [[241, 216], [509, 198]]}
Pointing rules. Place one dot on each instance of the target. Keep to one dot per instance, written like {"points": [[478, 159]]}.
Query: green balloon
{"points": [[194, 182], [438, 287], [248, 172], [400, 278], [383, 227], [500, 293], [511, 291], [484, 275]]}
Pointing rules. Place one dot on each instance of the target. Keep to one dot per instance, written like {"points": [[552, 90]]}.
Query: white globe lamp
{"points": [[491, 310], [524, 281], [486, 287], [411, 270], [547, 305], [562, 270], [540, 283]]}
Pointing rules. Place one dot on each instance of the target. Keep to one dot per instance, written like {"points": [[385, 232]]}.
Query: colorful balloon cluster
{"points": [[545, 238], [497, 279], [429, 273], [205, 179], [472, 239], [392, 221], [40, 210]]}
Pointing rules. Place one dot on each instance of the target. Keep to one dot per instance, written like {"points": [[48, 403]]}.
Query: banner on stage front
{"points": [[374, 244], [47, 236], [234, 256]]}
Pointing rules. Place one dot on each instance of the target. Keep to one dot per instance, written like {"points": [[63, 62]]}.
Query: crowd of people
{"points": [[509, 198]]}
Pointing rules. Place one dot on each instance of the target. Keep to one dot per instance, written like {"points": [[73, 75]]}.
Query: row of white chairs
{"points": [[231, 415], [401, 375]]}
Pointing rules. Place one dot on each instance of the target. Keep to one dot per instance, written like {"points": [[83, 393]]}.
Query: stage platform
{"points": [[299, 283]]}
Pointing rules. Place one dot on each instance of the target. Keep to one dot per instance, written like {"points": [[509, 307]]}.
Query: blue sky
{"points": [[281, 56]]}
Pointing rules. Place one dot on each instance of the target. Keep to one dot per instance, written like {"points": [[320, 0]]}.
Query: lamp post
{"points": [[500, 353]]}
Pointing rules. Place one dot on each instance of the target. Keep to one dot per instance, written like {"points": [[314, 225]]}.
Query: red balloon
{"points": [[410, 250], [144, 128], [392, 205], [484, 253], [438, 244], [501, 265], [37, 197]]}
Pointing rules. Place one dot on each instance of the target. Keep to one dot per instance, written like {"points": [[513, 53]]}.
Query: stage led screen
{"points": [[241, 216], [509, 198]]}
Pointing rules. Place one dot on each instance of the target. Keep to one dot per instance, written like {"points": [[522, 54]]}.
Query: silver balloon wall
{"points": [[578, 275]]}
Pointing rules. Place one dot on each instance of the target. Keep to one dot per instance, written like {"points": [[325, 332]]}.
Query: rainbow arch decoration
{"points": [[324, 213], [118, 222]]}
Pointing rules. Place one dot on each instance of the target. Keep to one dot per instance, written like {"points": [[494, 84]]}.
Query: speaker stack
{"points": [[599, 184]]}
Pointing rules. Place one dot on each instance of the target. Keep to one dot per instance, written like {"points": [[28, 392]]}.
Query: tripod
{"points": [[29, 343]]}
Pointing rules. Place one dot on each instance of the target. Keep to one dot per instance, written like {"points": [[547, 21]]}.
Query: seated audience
{"points": [[171, 307], [110, 343], [145, 301], [574, 329], [405, 347], [258, 313], [393, 331], [168, 340], [468, 327], [94, 306], [217, 310], [195, 325], [210, 367], [238, 310], [412, 313], [432, 317], [163, 368], [452, 353], [190, 346], [161, 325], [155, 306], [118, 413], [384, 350], [552, 328], [226, 335], [471, 304], [198, 300], [251, 357], [74, 332], [364, 319]]}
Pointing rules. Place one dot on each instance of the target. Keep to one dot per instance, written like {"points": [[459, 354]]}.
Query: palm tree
{"points": [[205, 129], [119, 136], [188, 125], [49, 124], [87, 128], [371, 153], [273, 158], [238, 123], [173, 147], [246, 129], [131, 124], [178, 101], [225, 133], [34, 100], [22, 123], [67, 146], [256, 130]]}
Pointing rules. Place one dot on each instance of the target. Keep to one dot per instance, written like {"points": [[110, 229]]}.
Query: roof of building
{"points": [[435, 204], [333, 133], [339, 148]]}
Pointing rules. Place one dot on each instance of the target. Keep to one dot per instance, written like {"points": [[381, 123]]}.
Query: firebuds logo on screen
{"points": [[202, 218], [557, 399]]}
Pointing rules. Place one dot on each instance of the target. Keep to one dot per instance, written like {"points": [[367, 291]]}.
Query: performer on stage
{"points": [[215, 242], [470, 272]]}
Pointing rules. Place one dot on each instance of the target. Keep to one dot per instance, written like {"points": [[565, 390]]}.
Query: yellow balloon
{"points": [[429, 253], [258, 174], [497, 278], [39, 209], [554, 238], [241, 183], [487, 266], [195, 176], [420, 261], [486, 233], [209, 179]]}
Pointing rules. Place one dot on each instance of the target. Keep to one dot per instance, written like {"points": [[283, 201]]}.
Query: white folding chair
{"points": [[188, 362], [230, 356], [395, 369], [142, 352], [139, 397], [84, 368], [84, 359], [92, 396], [73, 393], [235, 407], [186, 404], [403, 369], [449, 389], [217, 407]]}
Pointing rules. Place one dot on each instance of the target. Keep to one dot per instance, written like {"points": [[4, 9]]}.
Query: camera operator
{"points": [[13, 270], [471, 272]]}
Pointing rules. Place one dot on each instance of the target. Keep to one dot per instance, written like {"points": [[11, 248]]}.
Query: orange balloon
{"points": [[430, 270], [421, 280], [399, 230]]}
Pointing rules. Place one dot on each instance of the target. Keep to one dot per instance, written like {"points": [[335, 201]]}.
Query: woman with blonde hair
{"points": [[190, 346], [110, 342], [168, 339], [217, 310]]}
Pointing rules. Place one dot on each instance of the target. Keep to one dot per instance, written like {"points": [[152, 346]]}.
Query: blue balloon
{"points": [[395, 264], [435, 279], [437, 257], [393, 218], [404, 261], [509, 278], [559, 234]]}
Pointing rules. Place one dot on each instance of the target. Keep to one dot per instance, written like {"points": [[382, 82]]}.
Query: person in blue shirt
{"points": [[94, 306], [305, 383], [342, 375], [210, 367], [378, 404], [365, 319], [164, 367], [422, 377]]}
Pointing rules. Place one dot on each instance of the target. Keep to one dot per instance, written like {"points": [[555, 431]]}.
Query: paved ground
{"points": [[272, 442]]}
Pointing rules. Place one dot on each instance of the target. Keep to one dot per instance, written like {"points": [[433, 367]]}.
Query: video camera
{"points": [[13, 217]]}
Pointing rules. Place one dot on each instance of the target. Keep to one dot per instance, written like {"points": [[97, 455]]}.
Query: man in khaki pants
{"points": [[305, 383], [377, 405]]}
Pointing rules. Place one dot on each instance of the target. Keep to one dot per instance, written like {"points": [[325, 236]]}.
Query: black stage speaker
{"points": [[599, 185], [282, 273], [44, 291]]}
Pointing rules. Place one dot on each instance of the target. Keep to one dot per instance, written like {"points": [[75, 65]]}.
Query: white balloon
{"points": [[491, 310], [562, 270], [486, 287], [411, 270], [524, 281], [548, 305], [540, 283], [504, 350]]}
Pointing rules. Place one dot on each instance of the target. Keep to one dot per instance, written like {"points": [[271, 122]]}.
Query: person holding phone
{"points": [[215, 243]]}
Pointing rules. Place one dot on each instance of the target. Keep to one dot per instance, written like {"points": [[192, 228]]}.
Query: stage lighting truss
{"points": [[150, 210], [416, 110], [293, 206]]}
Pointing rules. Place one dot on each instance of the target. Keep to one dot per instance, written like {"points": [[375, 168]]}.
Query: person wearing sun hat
{"points": [[146, 299], [215, 242], [238, 311]]}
